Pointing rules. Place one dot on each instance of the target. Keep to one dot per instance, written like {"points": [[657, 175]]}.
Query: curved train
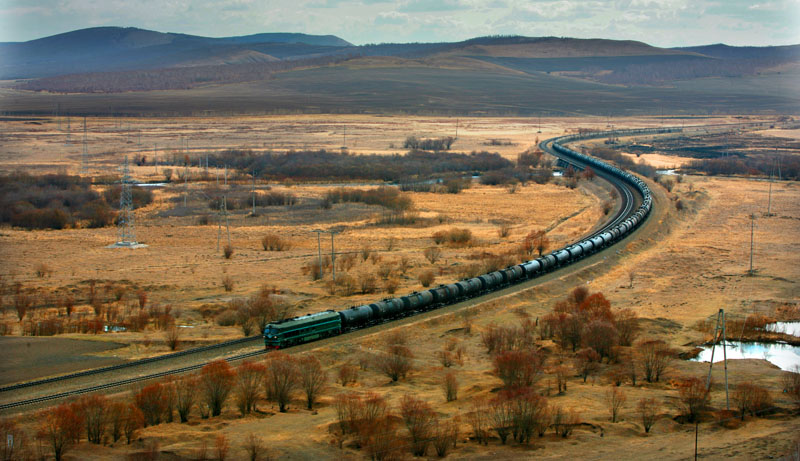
{"points": [[311, 327]]}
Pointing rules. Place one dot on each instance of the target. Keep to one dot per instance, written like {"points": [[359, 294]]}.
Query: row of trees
{"points": [[59, 201]]}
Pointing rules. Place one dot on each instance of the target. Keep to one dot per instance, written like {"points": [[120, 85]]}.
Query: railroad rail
{"points": [[629, 194]]}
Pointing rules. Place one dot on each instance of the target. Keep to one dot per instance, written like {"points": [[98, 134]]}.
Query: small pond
{"points": [[790, 328], [667, 172], [784, 356]]}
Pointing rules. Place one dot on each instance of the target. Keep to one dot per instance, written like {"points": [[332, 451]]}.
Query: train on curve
{"points": [[319, 325]]}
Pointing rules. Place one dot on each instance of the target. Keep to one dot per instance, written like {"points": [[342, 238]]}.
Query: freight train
{"points": [[319, 325]]}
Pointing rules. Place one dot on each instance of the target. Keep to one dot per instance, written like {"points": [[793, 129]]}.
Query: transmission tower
{"points": [[85, 154], [126, 227]]}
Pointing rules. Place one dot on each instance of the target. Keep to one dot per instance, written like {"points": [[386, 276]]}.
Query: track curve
{"points": [[632, 192]]}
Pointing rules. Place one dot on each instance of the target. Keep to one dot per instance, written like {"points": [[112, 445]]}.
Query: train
{"points": [[311, 327]]}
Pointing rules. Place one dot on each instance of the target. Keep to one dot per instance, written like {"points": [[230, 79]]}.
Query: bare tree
{"points": [[478, 418], [222, 446], [93, 410], [216, 383], [693, 398], [655, 357], [172, 337], [255, 448], [432, 254], [445, 436], [311, 377], [249, 376], [615, 399], [59, 428], [450, 385], [647, 410], [185, 395], [752, 398], [280, 379], [587, 362], [419, 419]]}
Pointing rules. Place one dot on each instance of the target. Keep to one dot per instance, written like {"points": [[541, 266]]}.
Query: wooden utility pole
{"points": [[752, 236]]}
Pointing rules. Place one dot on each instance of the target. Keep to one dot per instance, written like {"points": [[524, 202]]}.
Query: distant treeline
{"points": [[327, 165], [58, 201], [181, 78], [751, 165], [624, 162]]}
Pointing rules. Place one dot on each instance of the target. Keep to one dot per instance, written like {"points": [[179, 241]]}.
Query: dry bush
{"points": [[274, 242], [535, 241], [151, 402], [615, 399], [503, 230], [347, 374], [391, 285], [395, 361], [432, 254], [751, 398], [385, 271], [587, 362], [42, 270], [561, 372], [255, 449], [791, 385], [498, 339], [280, 379], [311, 378], [172, 337], [185, 396], [380, 440], [519, 368], [693, 398], [216, 383], [565, 421], [522, 411], [116, 419], [346, 284], [454, 237], [450, 386], [59, 428], [654, 356], [647, 411], [93, 410], [227, 283], [367, 283], [221, 447], [249, 376], [479, 420], [426, 278], [601, 336], [420, 421], [445, 436], [227, 251], [133, 420], [345, 262], [627, 323]]}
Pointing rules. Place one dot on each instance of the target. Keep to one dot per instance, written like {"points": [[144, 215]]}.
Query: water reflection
{"points": [[790, 328], [783, 355]]}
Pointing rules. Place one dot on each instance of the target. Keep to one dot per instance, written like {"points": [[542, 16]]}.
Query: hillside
{"points": [[108, 49], [307, 73]]}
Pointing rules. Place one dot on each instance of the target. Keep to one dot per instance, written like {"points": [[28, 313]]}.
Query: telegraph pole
{"points": [[752, 235], [333, 256]]}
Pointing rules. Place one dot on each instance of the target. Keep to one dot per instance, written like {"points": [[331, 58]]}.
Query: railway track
{"points": [[629, 198]]}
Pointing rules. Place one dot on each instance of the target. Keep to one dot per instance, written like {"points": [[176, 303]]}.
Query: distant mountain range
{"points": [[271, 66]]}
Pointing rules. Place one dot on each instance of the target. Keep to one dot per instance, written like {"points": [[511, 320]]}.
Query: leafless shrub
{"points": [[311, 378], [249, 377], [227, 251], [367, 283], [693, 398], [42, 270], [615, 399], [478, 418], [280, 379], [450, 386], [655, 356], [445, 436], [185, 396], [172, 337], [503, 230], [647, 411], [565, 421], [426, 278], [221, 447], [274, 242], [432, 254], [751, 398], [228, 283], [419, 419], [347, 374], [391, 285]]}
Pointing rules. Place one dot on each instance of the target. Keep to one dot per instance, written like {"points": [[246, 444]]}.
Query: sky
{"points": [[665, 23]]}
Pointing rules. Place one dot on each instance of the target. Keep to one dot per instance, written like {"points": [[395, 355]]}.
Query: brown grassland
{"points": [[676, 272]]}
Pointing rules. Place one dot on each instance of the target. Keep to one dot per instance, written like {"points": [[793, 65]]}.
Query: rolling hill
{"points": [[138, 71]]}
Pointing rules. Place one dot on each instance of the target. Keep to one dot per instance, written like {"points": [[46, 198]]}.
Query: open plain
{"points": [[676, 272]]}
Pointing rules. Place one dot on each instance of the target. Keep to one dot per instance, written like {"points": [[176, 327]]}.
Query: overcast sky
{"points": [[664, 23]]}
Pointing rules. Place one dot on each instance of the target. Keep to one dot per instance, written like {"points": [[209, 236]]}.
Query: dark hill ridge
{"points": [[104, 49]]}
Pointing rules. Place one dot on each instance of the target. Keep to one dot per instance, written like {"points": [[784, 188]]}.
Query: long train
{"points": [[319, 325]]}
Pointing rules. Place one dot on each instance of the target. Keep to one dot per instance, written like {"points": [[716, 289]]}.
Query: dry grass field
{"points": [[685, 265]]}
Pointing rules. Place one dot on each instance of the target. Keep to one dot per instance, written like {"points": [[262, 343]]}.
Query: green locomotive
{"points": [[302, 329]]}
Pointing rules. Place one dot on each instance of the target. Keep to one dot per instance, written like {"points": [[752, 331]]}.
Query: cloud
{"points": [[391, 18], [428, 6]]}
